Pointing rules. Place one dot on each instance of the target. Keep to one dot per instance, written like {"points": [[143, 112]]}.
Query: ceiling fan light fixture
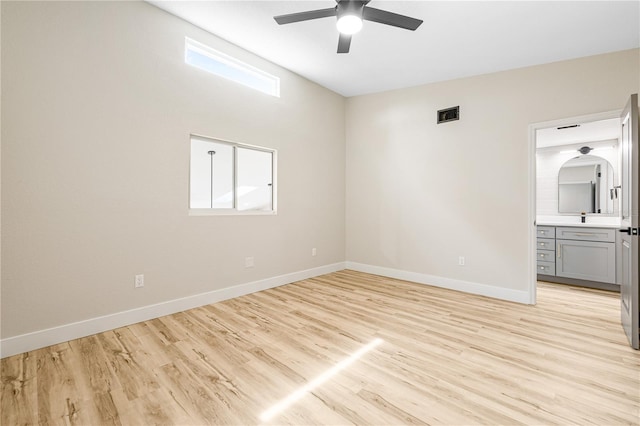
{"points": [[349, 24], [350, 15]]}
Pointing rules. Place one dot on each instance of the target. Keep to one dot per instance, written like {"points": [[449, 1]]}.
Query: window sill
{"points": [[231, 212]]}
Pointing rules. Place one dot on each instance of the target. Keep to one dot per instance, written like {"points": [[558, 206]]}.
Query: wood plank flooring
{"points": [[445, 358]]}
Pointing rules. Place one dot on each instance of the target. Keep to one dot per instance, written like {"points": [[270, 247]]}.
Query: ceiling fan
{"points": [[350, 14]]}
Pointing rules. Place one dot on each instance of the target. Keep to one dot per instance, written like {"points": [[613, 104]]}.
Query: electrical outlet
{"points": [[314, 251], [461, 261], [248, 262], [139, 281]]}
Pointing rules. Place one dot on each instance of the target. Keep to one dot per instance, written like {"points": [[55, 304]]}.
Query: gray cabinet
{"points": [[576, 253]]}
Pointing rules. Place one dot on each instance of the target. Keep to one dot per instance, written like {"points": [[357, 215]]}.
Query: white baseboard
{"points": [[465, 286], [51, 336]]}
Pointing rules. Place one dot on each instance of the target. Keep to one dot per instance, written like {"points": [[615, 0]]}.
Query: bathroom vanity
{"points": [[578, 255]]}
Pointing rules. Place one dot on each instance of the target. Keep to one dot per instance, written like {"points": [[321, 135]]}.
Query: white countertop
{"points": [[578, 225], [591, 221]]}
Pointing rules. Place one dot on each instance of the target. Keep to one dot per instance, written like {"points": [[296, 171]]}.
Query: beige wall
{"points": [[97, 108], [419, 194]]}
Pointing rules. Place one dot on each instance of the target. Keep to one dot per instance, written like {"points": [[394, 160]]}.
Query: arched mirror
{"points": [[586, 185]]}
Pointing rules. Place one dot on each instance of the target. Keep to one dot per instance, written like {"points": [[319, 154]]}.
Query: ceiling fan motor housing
{"points": [[347, 7]]}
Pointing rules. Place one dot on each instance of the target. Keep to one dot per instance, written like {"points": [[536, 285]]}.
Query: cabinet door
{"points": [[586, 260]]}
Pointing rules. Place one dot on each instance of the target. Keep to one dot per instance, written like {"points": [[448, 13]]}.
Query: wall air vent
{"points": [[449, 114], [568, 127]]}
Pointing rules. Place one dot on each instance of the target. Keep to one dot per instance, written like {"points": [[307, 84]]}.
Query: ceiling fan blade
{"points": [[390, 18], [305, 16], [344, 42]]}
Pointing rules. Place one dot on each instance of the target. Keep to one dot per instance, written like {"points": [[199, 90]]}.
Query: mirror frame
{"points": [[596, 189]]}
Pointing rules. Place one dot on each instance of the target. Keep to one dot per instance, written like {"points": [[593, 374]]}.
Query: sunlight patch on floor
{"points": [[283, 404]]}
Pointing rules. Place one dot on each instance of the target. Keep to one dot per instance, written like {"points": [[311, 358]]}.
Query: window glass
{"points": [[230, 177], [210, 60], [254, 179], [211, 175]]}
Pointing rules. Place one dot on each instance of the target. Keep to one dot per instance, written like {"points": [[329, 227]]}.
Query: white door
{"points": [[628, 261]]}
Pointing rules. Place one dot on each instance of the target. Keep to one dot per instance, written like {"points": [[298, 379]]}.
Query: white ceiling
{"points": [[602, 130], [457, 39]]}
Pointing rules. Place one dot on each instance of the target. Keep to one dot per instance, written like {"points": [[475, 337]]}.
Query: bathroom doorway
{"points": [[604, 250], [563, 197]]}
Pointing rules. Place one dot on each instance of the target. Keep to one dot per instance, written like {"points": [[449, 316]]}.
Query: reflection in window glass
{"points": [[254, 179], [211, 175]]}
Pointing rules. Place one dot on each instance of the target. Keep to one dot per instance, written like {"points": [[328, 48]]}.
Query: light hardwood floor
{"points": [[445, 358]]}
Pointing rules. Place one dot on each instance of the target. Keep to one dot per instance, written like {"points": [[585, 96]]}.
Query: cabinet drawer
{"points": [[546, 231], [546, 255], [546, 244], [546, 268], [586, 234]]}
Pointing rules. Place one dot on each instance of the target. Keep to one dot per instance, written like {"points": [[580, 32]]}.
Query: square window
{"points": [[230, 178]]}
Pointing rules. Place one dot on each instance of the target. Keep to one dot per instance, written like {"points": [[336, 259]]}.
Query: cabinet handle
{"points": [[543, 244], [584, 234], [559, 250], [542, 267]]}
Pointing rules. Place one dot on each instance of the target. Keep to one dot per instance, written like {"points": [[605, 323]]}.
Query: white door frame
{"points": [[532, 184]]}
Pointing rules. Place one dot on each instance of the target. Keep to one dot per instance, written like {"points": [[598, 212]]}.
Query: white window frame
{"points": [[231, 63], [233, 211]]}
